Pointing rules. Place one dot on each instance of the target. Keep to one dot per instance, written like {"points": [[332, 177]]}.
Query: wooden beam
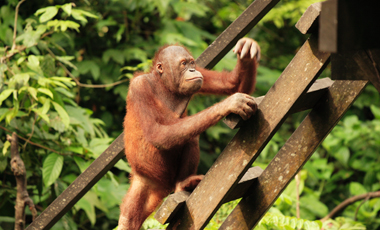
{"points": [[247, 144], [328, 27], [174, 202], [80, 186], [308, 23], [240, 27], [305, 102], [294, 154], [365, 64], [349, 25]]}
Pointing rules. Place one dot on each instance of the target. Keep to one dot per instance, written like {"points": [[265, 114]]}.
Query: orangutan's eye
{"points": [[183, 63], [192, 62]]}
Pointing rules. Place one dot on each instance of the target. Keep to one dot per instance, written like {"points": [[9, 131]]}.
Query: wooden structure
{"points": [[354, 64]]}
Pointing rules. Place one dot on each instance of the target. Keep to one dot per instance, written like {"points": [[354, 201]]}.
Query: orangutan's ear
{"points": [[159, 68]]}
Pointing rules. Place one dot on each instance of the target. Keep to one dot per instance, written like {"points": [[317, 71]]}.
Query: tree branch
{"points": [[15, 25], [82, 84], [22, 197], [32, 143], [349, 201]]}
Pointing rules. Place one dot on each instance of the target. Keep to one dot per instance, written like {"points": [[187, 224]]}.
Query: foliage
{"points": [[48, 97]]}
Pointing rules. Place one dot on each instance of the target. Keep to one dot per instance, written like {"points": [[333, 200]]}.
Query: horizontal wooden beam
{"points": [[174, 202], [305, 102]]}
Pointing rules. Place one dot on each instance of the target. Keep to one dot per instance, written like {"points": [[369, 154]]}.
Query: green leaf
{"points": [[5, 94], [357, 188], [342, 155], [45, 106], [33, 92], [376, 111], [66, 60], [21, 60], [51, 168], [7, 144], [312, 204], [46, 91], [88, 207], [122, 165], [67, 8], [47, 13], [42, 115], [82, 164], [34, 64], [115, 54], [62, 113]]}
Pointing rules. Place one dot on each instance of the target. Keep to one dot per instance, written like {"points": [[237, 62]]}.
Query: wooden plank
{"points": [[349, 25], [294, 154], [359, 65], [252, 138], [328, 27], [174, 202], [305, 102], [308, 23], [80, 186], [240, 27]]}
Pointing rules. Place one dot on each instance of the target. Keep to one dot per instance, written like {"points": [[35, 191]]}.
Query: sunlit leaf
{"points": [[47, 13], [5, 94], [42, 115], [46, 91], [7, 144], [33, 92], [67, 8]]}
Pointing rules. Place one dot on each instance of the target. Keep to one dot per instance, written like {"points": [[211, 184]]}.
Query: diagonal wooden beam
{"points": [[66, 200], [252, 138], [174, 202], [294, 154]]}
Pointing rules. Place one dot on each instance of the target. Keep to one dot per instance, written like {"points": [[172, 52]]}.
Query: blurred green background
{"points": [[68, 123]]}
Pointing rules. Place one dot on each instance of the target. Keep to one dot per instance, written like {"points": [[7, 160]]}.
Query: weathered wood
{"points": [[308, 23], [294, 154], [80, 186], [365, 64], [328, 27], [240, 27], [305, 102], [252, 138], [349, 25], [171, 206], [175, 201]]}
